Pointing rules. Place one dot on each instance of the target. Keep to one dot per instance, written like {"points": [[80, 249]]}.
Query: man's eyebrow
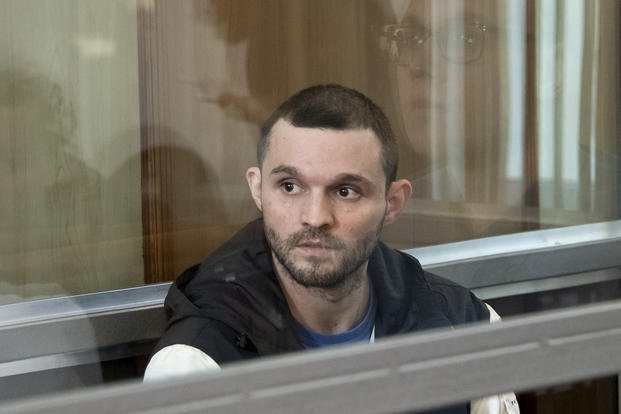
{"points": [[285, 169], [341, 178], [353, 178]]}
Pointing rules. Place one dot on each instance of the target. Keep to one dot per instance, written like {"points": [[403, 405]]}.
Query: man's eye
{"points": [[290, 188], [348, 193]]}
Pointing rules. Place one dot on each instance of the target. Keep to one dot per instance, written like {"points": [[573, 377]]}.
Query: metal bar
{"points": [[525, 256], [87, 304], [547, 284], [413, 372], [76, 330], [77, 340], [518, 243]]}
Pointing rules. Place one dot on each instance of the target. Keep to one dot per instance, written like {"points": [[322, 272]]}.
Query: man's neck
{"points": [[326, 311]]}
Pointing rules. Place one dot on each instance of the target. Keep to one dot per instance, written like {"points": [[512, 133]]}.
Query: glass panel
{"points": [[70, 215], [130, 125], [493, 140], [510, 121], [126, 128]]}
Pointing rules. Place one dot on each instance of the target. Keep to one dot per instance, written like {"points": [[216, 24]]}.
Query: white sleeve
{"points": [[496, 404], [176, 361], [493, 316]]}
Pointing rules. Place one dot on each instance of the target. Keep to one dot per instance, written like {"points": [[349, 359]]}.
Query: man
{"points": [[312, 272]]}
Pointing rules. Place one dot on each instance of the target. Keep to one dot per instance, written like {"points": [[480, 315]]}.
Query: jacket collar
{"points": [[237, 286]]}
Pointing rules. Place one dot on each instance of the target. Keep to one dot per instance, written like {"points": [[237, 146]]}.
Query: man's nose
{"points": [[419, 58], [317, 211]]}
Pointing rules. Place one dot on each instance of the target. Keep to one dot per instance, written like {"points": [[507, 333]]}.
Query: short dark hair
{"points": [[335, 107]]}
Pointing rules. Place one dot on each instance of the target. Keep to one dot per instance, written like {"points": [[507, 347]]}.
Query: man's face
{"points": [[447, 74], [324, 202]]}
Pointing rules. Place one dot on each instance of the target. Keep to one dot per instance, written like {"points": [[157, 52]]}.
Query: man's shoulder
{"points": [[244, 255], [438, 282], [233, 292], [224, 278], [401, 263], [246, 243], [425, 290]]}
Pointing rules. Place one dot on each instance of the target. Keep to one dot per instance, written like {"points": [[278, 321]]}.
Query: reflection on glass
{"points": [[501, 122], [458, 41], [69, 131], [505, 111]]}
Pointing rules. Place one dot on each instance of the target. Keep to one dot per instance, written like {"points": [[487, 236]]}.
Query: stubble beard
{"points": [[345, 274]]}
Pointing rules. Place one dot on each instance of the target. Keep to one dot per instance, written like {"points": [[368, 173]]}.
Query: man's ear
{"points": [[253, 177], [398, 194]]}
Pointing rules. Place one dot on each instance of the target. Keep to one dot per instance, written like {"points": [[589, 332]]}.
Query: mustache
{"points": [[313, 234]]}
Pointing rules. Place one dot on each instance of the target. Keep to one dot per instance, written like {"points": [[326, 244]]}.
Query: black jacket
{"points": [[231, 306]]}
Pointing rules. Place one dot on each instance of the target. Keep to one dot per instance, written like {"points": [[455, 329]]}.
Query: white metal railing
{"points": [[413, 372]]}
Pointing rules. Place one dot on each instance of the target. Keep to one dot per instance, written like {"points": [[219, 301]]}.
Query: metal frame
{"points": [[107, 325], [79, 330], [413, 372], [525, 256], [88, 304]]}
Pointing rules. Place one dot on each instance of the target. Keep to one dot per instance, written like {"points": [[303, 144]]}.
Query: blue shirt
{"points": [[359, 333]]}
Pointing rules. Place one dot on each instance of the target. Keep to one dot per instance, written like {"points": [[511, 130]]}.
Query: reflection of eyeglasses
{"points": [[460, 42]]}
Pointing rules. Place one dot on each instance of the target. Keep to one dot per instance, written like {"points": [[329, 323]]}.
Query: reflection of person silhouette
{"points": [[250, 24], [445, 57], [49, 207], [312, 273], [188, 216], [51, 203]]}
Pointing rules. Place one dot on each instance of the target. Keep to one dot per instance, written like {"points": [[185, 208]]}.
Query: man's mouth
{"points": [[315, 246], [316, 243]]}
